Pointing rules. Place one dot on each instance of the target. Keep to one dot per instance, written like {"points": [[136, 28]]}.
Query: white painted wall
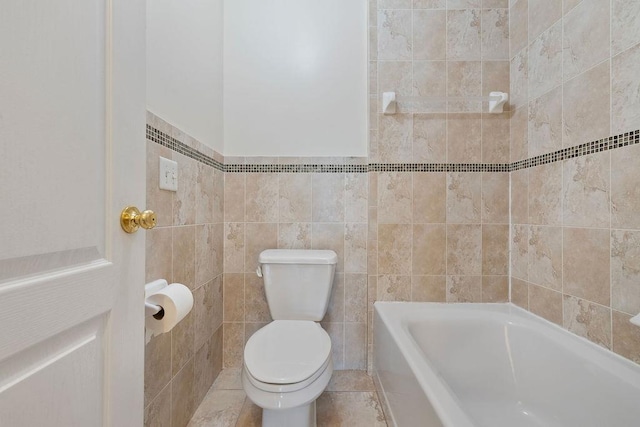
{"points": [[295, 77], [184, 66]]}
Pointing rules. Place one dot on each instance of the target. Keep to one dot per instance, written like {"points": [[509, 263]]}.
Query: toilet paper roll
{"points": [[176, 300]]}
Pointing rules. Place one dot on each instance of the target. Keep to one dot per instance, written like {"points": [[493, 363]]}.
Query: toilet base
{"points": [[301, 416]]}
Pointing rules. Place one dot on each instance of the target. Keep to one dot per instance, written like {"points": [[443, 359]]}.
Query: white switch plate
{"points": [[168, 174]]}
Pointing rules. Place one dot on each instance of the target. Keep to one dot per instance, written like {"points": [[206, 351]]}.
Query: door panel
{"points": [[53, 129], [52, 303], [72, 156], [67, 371]]}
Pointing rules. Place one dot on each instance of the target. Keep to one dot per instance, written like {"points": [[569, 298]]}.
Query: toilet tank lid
{"points": [[297, 256]]}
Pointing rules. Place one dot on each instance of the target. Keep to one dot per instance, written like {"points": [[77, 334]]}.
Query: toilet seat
{"points": [[287, 355]]}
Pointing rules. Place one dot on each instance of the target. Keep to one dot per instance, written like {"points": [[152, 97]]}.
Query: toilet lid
{"points": [[287, 351]]}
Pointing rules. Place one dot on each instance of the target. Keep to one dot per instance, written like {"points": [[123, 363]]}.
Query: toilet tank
{"points": [[297, 282]]}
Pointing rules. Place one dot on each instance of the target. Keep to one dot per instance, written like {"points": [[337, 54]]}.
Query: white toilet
{"points": [[287, 363]]}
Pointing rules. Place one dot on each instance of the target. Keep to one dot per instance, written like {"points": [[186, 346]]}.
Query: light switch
{"points": [[168, 174]]}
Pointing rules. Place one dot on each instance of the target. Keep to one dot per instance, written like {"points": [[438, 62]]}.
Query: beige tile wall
{"points": [[575, 68], [438, 236], [436, 49], [185, 247], [297, 211]]}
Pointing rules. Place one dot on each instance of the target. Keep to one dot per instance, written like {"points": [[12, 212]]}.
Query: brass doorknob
{"points": [[131, 219]]}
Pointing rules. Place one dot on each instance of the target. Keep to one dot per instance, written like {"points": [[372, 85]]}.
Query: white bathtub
{"points": [[495, 365]]}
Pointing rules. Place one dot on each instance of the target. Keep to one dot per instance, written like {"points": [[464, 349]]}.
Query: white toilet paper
{"points": [[176, 300]]}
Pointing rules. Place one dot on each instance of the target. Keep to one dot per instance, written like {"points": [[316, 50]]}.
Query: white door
{"points": [[71, 157]]}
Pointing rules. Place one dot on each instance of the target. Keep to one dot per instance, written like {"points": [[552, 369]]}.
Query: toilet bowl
{"points": [[287, 366], [287, 363]]}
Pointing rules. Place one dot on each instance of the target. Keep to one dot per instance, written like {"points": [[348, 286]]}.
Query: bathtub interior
{"points": [[506, 367]]}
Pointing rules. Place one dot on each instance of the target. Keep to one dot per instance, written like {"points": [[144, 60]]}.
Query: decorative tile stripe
{"points": [[604, 144], [439, 167], [171, 143], [297, 168]]}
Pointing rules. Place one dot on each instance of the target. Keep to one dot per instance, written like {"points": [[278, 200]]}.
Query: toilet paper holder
{"points": [[149, 289], [153, 310]]}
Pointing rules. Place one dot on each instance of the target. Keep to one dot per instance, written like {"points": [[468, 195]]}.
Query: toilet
{"points": [[287, 363]]}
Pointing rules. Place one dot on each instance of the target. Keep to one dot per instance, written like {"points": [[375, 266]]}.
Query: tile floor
{"points": [[350, 400]]}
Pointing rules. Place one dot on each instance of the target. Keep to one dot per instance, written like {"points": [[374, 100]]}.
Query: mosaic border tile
{"points": [[439, 167], [159, 137], [172, 143], [604, 144], [297, 168]]}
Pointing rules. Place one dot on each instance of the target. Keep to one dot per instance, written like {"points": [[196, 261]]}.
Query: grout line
{"points": [[526, 105], [611, 57], [562, 185], [562, 137], [510, 218], [510, 235]]}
